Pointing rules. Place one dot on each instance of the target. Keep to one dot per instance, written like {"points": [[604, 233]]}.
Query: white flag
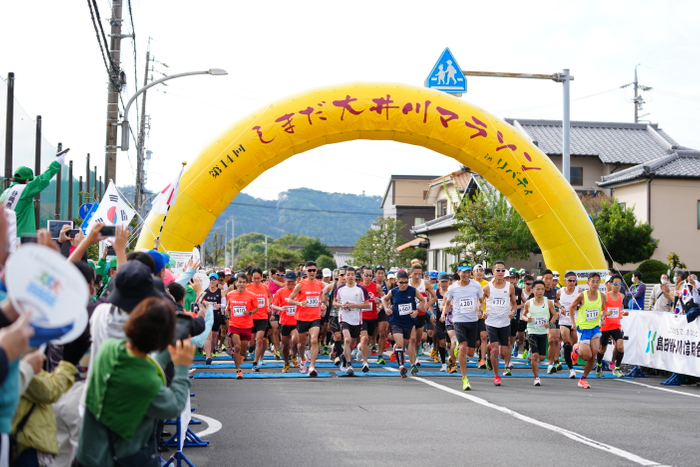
{"points": [[167, 196], [113, 210]]}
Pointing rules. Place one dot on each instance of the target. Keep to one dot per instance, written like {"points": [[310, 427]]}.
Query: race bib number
{"points": [[499, 302], [238, 310], [564, 311], [440, 303], [290, 310], [417, 303], [466, 305], [592, 315], [311, 301], [540, 322], [615, 312], [261, 302], [405, 309]]}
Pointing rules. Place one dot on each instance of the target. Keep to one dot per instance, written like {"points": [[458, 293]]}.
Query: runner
{"points": [[400, 305], [440, 330], [309, 309], [212, 296], [287, 318], [554, 338], [370, 317], [569, 336], [333, 313], [483, 335], [426, 290], [446, 317], [468, 299], [587, 319], [528, 281], [512, 278], [242, 305], [540, 314], [612, 328], [500, 303], [260, 319], [351, 299], [382, 318]]}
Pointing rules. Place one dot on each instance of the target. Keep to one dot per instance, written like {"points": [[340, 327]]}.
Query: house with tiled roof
{"points": [[605, 156]]}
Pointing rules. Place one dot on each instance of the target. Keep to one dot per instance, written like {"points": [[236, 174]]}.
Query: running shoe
{"points": [[550, 369], [510, 366], [302, 367], [443, 368], [433, 353], [537, 382], [380, 361], [365, 368], [526, 354], [295, 362], [572, 374], [617, 373], [277, 355], [559, 367], [420, 350], [417, 363], [256, 368], [482, 365], [612, 367], [436, 359], [583, 383], [208, 361], [349, 370], [261, 362], [213, 354], [599, 370], [336, 362], [515, 352], [239, 374], [452, 369], [456, 351], [496, 380], [488, 364], [285, 368], [403, 371], [312, 372], [465, 384], [414, 370], [507, 372]]}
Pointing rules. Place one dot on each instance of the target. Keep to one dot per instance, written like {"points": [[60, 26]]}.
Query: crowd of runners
{"points": [[357, 314]]}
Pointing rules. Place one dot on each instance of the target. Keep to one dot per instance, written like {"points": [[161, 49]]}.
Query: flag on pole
{"points": [[167, 196], [113, 209]]}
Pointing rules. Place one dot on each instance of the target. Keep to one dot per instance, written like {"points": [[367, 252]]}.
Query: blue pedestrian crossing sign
{"points": [[447, 76]]}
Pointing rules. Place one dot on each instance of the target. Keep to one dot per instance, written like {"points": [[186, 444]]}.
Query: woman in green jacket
{"points": [[126, 391]]}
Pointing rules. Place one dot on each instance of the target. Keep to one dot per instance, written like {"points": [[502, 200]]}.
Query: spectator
{"points": [[683, 300], [119, 424], [636, 292], [661, 295]]}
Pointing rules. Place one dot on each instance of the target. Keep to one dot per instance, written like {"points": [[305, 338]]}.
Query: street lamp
{"points": [[125, 123]]}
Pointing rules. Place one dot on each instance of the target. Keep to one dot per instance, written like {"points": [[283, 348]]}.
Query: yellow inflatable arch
{"points": [[438, 121]]}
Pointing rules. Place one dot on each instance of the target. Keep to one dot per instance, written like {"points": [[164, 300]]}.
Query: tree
{"points": [[289, 239], [378, 245], [623, 236], [325, 261], [490, 229], [214, 250], [651, 270], [593, 204], [674, 262], [315, 249], [276, 256], [252, 241]]}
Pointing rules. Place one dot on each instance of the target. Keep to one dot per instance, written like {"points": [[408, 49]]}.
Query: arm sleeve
{"points": [[185, 277], [40, 183], [47, 388], [199, 339], [170, 401]]}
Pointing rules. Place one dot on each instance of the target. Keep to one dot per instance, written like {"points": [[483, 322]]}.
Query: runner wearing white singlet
{"points": [[500, 303], [569, 336]]}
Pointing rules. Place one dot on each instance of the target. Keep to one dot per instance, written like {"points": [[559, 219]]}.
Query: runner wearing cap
{"points": [[500, 303], [326, 278], [351, 298], [260, 319], [612, 328], [242, 305], [212, 296], [370, 316], [587, 319], [307, 298], [466, 297], [400, 305], [287, 318], [539, 313], [483, 336], [440, 330], [428, 293], [554, 338], [569, 336], [382, 318]]}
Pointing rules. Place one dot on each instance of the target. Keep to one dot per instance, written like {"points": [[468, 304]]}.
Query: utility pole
{"points": [[114, 88], [138, 194], [233, 242], [9, 123], [266, 252], [638, 100], [225, 244]]}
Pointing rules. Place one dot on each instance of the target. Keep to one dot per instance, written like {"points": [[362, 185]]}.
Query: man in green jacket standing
{"points": [[19, 197]]}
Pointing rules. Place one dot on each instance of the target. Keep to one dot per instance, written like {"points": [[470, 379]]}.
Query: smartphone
{"points": [[55, 227], [108, 231], [110, 251], [73, 232], [27, 239], [183, 327]]}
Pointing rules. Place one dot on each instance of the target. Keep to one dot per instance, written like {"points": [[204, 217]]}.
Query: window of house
{"points": [[442, 208], [418, 220], [576, 176]]}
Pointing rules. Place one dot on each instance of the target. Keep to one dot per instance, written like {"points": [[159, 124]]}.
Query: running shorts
{"points": [[587, 335], [421, 320], [467, 332], [441, 330], [514, 327], [382, 316], [370, 325], [401, 331], [499, 335], [353, 330], [335, 325], [522, 326], [304, 326], [245, 334], [259, 325], [481, 326], [538, 344], [286, 329], [616, 334]]}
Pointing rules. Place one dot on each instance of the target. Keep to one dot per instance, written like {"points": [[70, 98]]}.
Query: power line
{"points": [[324, 211], [100, 43], [136, 83]]}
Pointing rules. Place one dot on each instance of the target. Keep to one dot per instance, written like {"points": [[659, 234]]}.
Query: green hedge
{"points": [[651, 270]]}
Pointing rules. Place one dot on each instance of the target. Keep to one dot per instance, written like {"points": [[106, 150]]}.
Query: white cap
{"points": [[391, 275], [327, 272]]}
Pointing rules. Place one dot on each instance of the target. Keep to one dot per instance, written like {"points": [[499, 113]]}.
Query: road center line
{"points": [[562, 431], [658, 388], [213, 425]]}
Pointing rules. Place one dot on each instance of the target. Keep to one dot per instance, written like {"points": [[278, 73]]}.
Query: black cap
{"points": [[380, 267], [290, 276], [444, 277], [132, 284]]}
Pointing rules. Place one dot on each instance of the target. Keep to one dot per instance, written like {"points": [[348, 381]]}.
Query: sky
{"points": [[274, 50]]}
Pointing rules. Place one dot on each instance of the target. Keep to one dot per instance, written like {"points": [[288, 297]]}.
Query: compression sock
{"points": [[443, 354], [618, 361], [600, 358], [400, 357], [567, 356], [251, 349], [429, 340], [338, 348]]}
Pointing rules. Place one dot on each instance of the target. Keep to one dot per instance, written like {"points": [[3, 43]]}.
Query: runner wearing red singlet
{"points": [[260, 319], [428, 292], [288, 320], [611, 327], [241, 306], [307, 298], [370, 318]]}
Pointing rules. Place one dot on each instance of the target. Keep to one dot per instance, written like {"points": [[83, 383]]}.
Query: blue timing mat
{"points": [[321, 374]]}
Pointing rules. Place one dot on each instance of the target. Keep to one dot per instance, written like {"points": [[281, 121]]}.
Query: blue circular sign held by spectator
{"points": [[84, 210]]}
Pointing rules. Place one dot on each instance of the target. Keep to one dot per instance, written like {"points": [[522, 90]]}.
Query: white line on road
{"points": [[658, 388], [562, 431], [213, 425]]}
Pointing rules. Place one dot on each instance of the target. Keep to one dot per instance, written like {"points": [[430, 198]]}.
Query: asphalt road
{"points": [[430, 420]]}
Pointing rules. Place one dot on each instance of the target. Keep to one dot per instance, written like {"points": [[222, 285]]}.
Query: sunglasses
{"points": [[528, 283], [279, 274], [310, 270], [499, 270], [402, 282], [619, 284], [571, 280], [368, 275]]}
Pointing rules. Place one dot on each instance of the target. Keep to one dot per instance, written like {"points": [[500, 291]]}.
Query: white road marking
{"points": [[659, 389], [562, 431], [213, 425]]}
